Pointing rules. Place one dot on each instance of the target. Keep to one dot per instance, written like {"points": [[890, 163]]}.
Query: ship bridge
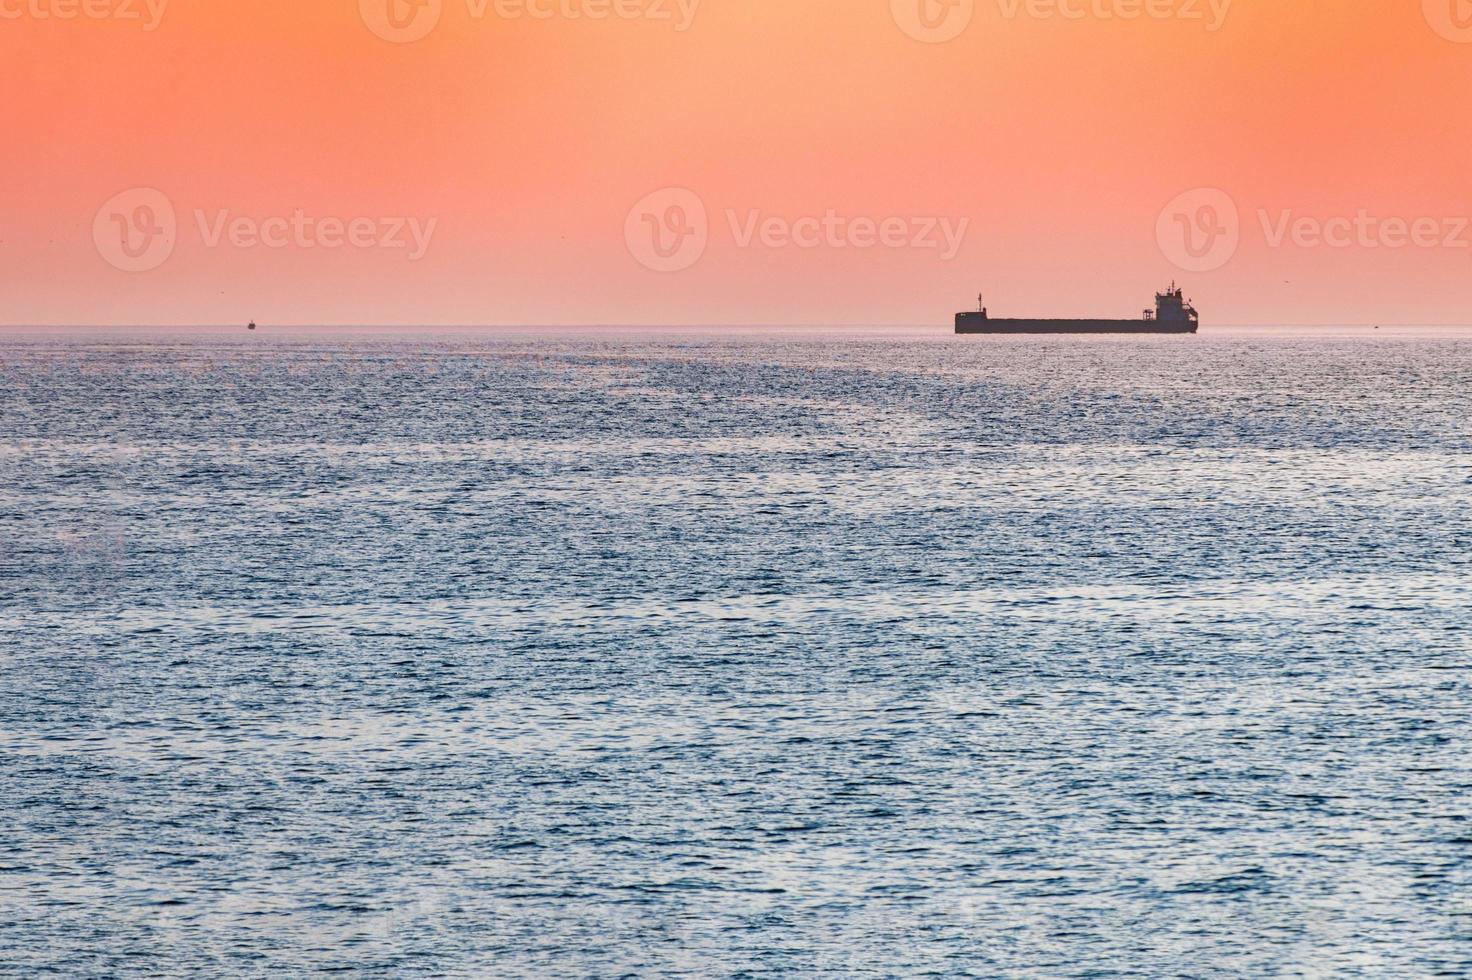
{"points": [[1171, 307]]}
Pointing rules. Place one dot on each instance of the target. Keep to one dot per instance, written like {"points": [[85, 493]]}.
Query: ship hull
{"points": [[977, 323]]}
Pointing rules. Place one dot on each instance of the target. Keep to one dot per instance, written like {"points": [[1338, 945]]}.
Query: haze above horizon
{"points": [[763, 163]]}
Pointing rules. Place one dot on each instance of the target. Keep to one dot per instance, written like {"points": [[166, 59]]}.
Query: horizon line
{"points": [[646, 326]]}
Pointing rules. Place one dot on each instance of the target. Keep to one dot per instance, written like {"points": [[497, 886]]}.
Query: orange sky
{"points": [[1055, 140]]}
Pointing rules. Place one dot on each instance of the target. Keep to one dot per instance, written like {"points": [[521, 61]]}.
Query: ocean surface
{"points": [[858, 653]]}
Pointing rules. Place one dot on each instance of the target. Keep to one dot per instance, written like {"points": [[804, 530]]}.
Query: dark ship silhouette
{"points": [[1172, 314]]}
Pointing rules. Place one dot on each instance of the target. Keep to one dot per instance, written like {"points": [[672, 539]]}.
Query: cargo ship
{"points": [[1172, 314]]}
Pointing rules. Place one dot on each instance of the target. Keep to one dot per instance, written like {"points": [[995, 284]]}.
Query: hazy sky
{"points": [[733, 161]]}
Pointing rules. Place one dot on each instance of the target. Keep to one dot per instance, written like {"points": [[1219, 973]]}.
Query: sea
{"points": [[869, 652]]}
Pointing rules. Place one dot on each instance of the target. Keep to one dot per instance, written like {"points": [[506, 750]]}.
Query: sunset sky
{"points": [[516, 138]]}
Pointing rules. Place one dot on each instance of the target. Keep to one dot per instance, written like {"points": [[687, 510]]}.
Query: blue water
{"points": [[867, 654]]}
